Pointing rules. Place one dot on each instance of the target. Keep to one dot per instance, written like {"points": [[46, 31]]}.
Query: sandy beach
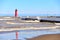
{"points": [[47, 37]]}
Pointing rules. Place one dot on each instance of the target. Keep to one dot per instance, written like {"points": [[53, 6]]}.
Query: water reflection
{"points": [[27, 34]]}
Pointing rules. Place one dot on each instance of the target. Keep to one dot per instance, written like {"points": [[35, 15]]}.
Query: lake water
{"points": [[27, 34], [32, 14]]}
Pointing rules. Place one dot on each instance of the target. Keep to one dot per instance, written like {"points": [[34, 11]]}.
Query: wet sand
{"points": [[47, 37]]}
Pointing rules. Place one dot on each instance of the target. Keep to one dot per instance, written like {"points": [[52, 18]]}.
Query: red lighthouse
{"points": [[16, 13]]}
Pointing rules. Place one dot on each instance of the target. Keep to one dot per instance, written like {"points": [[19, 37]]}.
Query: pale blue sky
{"points": [[30, 7]]}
